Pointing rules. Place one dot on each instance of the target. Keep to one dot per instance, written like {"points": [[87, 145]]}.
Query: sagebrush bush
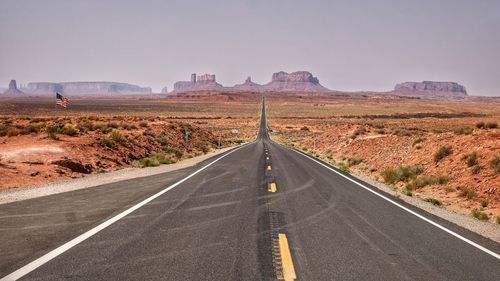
{"points": [[480, 125], [116, 136], [30, 129], [113, 125], [480, 215], [354, 161], [463, 131], [85, 126], [468, 193], [443, 152], [401, 173], [162, 158], [12, 132], [471, 159], [342, 166], [417, 141], [108, 142], [426, 180], [491, 125], [69, 129], [52, 132], [434, 201], [485, 202], [402, 133], [161, 140], [495, 164], [155, 160], [359, 131], [475, 169], [202, 146]]}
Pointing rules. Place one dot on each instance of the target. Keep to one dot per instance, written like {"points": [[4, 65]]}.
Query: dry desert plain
{"points": [[444, 151]]}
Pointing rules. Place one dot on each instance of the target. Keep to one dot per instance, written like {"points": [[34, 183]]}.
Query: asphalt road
{"points": [[259, 212]]}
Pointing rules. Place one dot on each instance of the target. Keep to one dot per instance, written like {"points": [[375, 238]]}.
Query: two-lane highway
{"points": [[259, 212]]}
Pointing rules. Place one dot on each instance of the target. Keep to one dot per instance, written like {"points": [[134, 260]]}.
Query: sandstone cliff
{"points": [[431, 88]]}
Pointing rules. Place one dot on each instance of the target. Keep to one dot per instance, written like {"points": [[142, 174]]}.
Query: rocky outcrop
{"points": [[85, 88], [13, 90], [74, 165], [300, 81], [205, 82], [247, 86], [432, 88]]}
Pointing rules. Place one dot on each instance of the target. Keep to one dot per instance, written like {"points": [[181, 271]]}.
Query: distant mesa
{"points": [[431, 88], [13, 90], [85, 88]]}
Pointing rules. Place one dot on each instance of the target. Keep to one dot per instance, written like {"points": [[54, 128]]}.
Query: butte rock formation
{"points": [[198, 83], [300, 81], [248, 85], [13, 90]]}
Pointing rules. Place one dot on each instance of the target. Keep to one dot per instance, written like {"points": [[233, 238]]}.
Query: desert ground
{"points": [[444, 151], [40, 143]]}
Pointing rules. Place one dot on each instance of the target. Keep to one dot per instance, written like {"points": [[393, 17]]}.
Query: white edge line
{"points": [[404, 208], [75, 241]]}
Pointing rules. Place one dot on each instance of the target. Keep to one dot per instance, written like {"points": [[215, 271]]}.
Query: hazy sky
{"points": [[348, 45]]}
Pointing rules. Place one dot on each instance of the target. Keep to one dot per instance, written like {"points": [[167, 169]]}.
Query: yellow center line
{"points": [[272, 187], [269, 168], [286, 259]]}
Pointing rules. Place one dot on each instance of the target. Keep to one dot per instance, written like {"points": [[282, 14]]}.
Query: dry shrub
{"points": [[443, 152]]}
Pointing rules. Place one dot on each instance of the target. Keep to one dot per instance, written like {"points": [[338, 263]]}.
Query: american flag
{"points": [[62, 101]]}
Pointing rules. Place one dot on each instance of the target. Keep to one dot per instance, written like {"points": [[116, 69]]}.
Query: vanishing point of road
{"points": [[261, 211]]}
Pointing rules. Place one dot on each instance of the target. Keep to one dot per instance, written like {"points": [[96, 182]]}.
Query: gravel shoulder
{"points": [[24, 193], [485, 229]]}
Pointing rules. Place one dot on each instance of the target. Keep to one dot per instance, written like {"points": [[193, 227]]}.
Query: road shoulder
{"points": [[24, 193]]}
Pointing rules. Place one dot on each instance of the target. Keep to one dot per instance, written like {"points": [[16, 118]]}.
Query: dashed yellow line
{"points": [[271, 187], [286, 259], [269, 167], [267, 157]]}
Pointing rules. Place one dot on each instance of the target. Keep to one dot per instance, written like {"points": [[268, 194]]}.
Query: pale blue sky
{"points": [[348, 45]]}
